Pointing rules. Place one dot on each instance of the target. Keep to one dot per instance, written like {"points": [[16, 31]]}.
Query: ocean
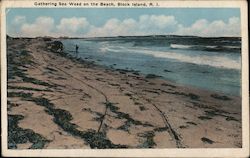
{"points": [[208, 63]]}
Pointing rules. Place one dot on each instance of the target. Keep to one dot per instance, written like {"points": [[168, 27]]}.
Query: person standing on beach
{"points": [[77, 50]]}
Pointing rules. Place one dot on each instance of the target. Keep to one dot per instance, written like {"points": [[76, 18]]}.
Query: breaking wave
{"points": [[214, 61], [224, 48]]}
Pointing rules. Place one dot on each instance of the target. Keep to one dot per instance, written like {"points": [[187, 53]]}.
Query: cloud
{"points": [[72, 26], [156, 21], [42, 26], [19, 20], [45, 26], [212, 29], [113, 27], [143, 25]]}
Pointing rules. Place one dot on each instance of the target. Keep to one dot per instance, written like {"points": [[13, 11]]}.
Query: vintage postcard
{"points": [[124, 78]]}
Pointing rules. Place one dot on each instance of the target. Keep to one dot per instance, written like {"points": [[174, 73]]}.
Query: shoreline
{"points": [[210, 75], [215, 94], [84, 105]]}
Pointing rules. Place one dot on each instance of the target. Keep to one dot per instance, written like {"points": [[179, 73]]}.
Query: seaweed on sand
{"points": [[151, 76], [216, 112], [220, 97], [129, 121], [17, 135], [149, 142], [36, 81], [183, 127], [204, 117], [168, 85], [28, 88], [51, 69], [16, 62], [26, 58], [17, 72], [190, 95], [142, 108], [14, 71], [99, 140], [98, 115], [206, 140], [10, 105], [191, 123], [20, 58], [19, 94], [161, 129], [122, 115], [63, 119]]}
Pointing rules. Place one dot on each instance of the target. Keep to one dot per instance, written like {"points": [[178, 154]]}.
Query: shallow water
{"points": [[207, 63]]}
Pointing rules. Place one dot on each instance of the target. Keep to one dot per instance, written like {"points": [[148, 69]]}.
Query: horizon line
{"points": [[68, 37]]}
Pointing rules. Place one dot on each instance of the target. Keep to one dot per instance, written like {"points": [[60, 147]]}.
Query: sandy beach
{"points": [[56, 101]]}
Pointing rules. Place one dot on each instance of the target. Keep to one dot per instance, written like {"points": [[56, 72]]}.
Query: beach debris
{"points": [[221, 113], [142, 108], [167, 70], [151, 91], [230, 118], [190, 95], [204, 118], [191, 123], [137, 103], [168, 85], [193, 96], [150, 76], [182, 126], [55, 46], [161, 129], [220, 97], [206, 140]]}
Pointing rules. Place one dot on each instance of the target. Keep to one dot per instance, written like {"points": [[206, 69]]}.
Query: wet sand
{"points": [[56, 101]]}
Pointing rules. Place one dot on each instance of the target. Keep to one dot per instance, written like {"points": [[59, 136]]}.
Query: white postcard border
{"points": [[194, 152]]}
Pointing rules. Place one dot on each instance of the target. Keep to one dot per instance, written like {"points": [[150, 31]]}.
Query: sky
{"points": [[104, 22]]}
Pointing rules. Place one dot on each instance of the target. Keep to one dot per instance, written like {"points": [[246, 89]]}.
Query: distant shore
{"points": [[56, 101]]}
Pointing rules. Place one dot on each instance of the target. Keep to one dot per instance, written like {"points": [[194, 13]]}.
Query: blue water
{"points": [[211, 64]]}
